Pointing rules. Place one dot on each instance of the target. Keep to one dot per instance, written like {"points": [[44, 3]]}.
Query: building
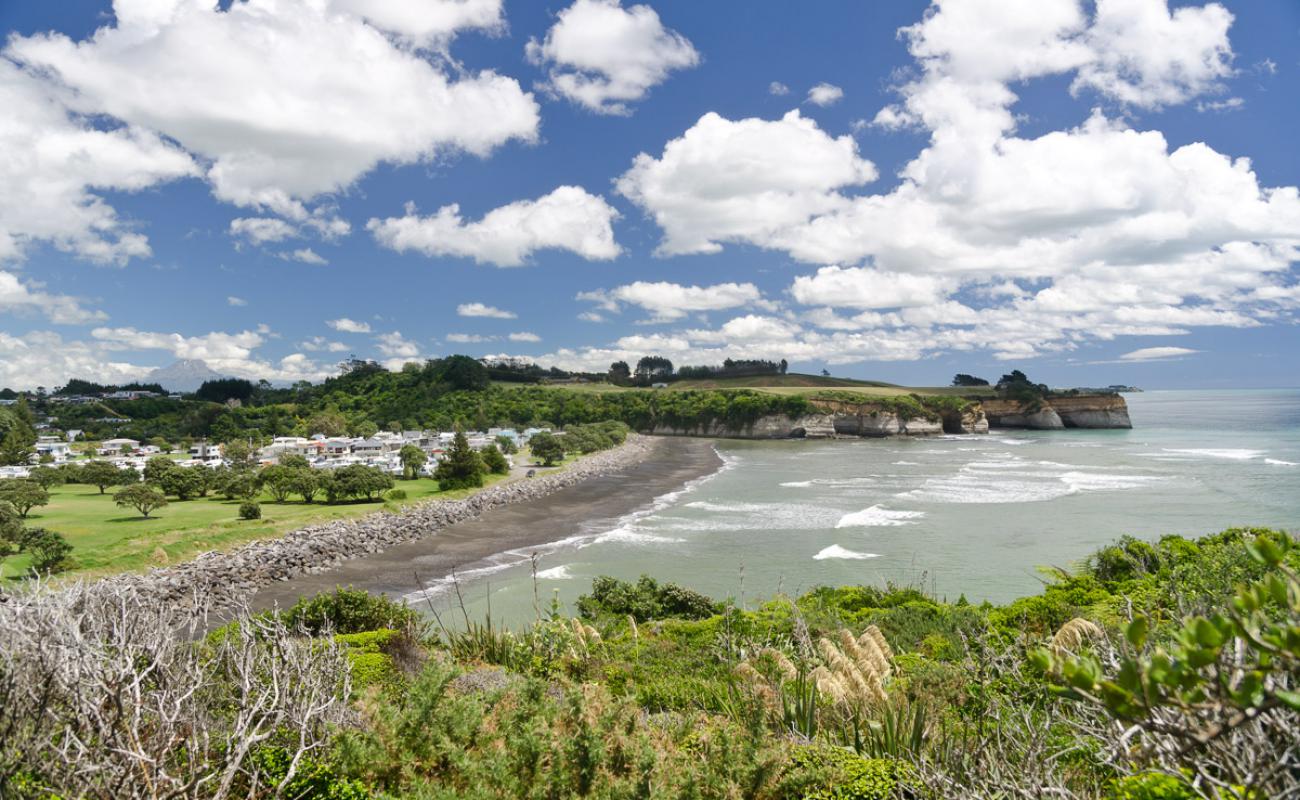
{"points": [[54, 447], [118, 447]]}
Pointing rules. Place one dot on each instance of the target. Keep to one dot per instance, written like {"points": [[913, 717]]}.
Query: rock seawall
{"points": [[216, 580]]}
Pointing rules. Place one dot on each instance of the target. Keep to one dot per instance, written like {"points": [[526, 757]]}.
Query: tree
{"points": [[236, 484], [156, 467], [142, 497], [49, 477], [494, 461], [16, 446], [357, 481], [11, 530], [239, 455], [295, 462], [184, 482], [278, 480], [103, 475], [784, 366], [327, 423], [412, 459], [650, 368], [546, 447], [962, 379], [48, 550], [306, 483], [461, 467], [620, 373], [506, 444], [462, 373], [223, 389], [23, 495]]}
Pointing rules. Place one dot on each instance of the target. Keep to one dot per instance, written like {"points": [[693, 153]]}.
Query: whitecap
{"points": [[627, 535], [876, 517], [797, 484], [907, 463], [560, 573], [1277, 462], [835, 551], [1234, 454]]}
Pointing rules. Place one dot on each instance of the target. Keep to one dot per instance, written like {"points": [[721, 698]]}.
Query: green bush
{"points": [[250, 510], [645, 600], [313, 781], [350, 611], [1153, 786], [839, 774], [396, 494]]}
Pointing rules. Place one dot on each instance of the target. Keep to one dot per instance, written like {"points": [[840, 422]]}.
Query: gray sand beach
{"points": [[532, 523]]}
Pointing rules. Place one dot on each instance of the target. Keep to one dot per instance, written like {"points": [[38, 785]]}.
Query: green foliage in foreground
{"points": [[844, 692]]}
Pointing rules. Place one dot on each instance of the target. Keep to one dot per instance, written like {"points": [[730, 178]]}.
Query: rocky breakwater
{"points": [[1059, 411], [215, 580]]}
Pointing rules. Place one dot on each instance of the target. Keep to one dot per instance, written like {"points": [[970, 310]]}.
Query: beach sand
{"points": [[517, 526]]}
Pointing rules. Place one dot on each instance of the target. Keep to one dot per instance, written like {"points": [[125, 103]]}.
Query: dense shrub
{"points": [[840, 774], [644, 600], [349, 610], [250, 510]]}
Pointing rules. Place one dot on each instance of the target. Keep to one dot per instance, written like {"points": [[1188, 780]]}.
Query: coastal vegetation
{"points": [[440, 394], [1163, 669]]}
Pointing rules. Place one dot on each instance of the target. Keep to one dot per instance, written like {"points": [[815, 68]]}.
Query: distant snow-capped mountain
{"points": [[185, 375]]}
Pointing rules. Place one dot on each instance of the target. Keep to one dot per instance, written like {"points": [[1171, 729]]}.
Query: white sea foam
{"points": [[560, 573], [835, 551], [834, 483], [1021, 486], [1277, 462], [907, 463], [629, 535], [1212, 452], [876, 517]]}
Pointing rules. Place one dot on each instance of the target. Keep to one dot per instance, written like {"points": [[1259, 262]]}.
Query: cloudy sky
{"points": [[1090, 191]]}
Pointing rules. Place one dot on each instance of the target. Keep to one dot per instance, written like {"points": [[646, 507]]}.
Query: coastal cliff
{"points": [[914, 416], [1057, 412]]}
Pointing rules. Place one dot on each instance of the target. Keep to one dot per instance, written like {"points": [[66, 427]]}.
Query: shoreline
{"points": [[534, 523]]}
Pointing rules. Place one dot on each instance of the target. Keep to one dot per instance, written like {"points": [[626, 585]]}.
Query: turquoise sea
{"points": [[972, 515]]}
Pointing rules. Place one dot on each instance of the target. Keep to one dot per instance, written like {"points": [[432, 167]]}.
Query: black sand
{"points": [[521, 525]]}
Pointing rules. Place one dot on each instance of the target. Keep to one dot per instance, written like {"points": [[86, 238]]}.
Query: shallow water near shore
{"points": [[972, 515]]}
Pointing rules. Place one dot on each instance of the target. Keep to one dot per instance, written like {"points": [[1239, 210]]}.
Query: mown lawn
{"points": [[107, 539]]}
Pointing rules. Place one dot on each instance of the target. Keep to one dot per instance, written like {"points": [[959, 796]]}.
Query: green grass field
{"points": [[107, 539]]}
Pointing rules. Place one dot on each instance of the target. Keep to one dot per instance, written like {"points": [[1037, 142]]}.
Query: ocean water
{"points": [[972, 515]]}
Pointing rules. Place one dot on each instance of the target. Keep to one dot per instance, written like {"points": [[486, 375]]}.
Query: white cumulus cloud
{"points": [[482, 310], [603, 56], [566, 219], [749, 180], [285, 99], [825, 94], [670, 301], [17, 297], [56, 162], [345, 325]]}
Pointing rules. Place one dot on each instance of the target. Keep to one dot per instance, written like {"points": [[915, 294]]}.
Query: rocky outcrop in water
{"points": [[1055, 413], [215, 580]]}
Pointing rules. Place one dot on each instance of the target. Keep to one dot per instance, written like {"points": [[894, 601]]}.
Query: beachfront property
{"points": [[381, 450]]}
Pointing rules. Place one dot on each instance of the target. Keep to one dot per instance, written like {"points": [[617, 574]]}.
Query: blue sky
{"points": [[1054, 186]]}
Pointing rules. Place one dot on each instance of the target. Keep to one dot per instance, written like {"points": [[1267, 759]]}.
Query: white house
{"points": [[117, 447], [54, 447]]}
